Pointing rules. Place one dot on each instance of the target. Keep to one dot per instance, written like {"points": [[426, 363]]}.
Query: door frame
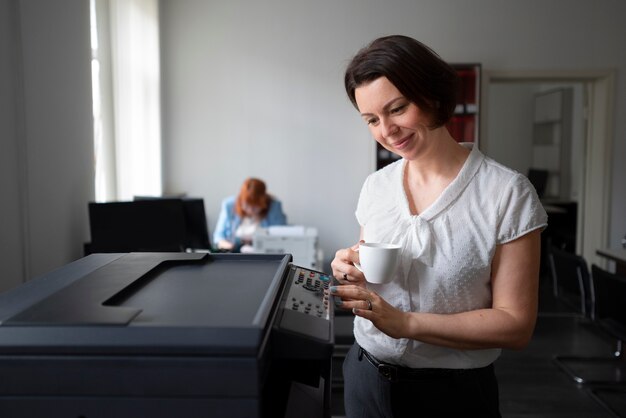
{"points": [[594, 210]]}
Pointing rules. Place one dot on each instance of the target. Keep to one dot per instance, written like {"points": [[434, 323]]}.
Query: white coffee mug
{"points": [[378, 261]]}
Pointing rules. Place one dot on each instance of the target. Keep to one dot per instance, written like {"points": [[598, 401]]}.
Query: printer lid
{"points": [[216, 304]]}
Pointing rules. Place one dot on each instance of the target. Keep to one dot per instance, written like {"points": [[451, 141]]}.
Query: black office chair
{"points": [[571, 281], [610, 317], [539, 179], [612, 398]]}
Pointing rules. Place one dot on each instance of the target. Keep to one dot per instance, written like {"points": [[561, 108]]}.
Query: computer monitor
{"points": [[138, 226], [196, 229]]}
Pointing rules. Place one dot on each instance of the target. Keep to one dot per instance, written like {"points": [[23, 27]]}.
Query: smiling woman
{"points": [[468, 227]]}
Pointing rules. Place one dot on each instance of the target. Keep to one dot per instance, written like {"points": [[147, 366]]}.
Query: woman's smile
{"points": [[402, 144]]}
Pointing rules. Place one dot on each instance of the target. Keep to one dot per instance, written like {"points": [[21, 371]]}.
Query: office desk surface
{"points": [[615, 254]]}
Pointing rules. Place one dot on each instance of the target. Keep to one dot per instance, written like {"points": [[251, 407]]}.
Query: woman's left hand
{"points": [[369, 305]]}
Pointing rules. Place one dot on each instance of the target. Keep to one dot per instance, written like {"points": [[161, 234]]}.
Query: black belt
{"points": [[393, 373]]}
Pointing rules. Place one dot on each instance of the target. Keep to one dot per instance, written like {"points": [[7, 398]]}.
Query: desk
{"points": [[615, 254], [553, 209]]}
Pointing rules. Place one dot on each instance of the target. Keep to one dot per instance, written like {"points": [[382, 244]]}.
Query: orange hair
{"points": [[253, 193]]}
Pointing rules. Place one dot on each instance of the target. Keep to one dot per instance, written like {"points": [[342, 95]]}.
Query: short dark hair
{"points": [[413, 68]]}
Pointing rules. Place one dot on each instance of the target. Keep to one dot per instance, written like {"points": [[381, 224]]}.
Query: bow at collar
{"points": [[416, 241]]}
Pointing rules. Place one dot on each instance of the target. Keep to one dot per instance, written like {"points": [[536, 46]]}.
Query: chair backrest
{"points": [[539, 179], [610, 291], [572, 283]]}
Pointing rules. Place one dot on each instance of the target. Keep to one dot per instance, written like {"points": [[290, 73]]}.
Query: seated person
{"points": [[241, 215]]}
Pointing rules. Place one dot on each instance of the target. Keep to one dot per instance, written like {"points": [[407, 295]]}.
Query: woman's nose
{"points": [[388, 128]]}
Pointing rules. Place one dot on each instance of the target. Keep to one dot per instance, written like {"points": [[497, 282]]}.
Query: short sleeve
{"points": [[520, 210]]}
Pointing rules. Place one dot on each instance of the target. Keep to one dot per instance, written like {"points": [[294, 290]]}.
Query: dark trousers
{"points": [[375, 391]]}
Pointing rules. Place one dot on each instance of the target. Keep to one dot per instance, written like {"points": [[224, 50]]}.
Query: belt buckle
{"points": [[388, 371]]}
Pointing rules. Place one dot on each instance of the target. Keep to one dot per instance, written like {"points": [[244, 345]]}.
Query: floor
{"points": [[531, 383]]}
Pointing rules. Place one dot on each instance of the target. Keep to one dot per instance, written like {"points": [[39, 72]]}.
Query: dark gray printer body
{"points": [[164, 335]]}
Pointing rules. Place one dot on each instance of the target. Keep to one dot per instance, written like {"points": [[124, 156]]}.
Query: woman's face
{"points": [[395, 122], [251, 210]]}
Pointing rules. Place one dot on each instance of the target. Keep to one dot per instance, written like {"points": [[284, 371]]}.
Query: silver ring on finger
{"points": [[369, 304]]}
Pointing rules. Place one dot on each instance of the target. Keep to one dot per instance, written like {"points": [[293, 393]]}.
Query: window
{"points": [[126, 98]]}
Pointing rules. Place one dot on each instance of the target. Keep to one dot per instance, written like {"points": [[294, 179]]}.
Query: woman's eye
{"points": [[398, 109], [371, 121]]}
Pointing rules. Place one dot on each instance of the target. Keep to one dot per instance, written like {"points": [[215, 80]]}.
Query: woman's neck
{"points": [[441, 160]]}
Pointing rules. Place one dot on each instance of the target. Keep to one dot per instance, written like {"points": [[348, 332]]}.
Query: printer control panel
{"points": [[304, 328], [308, 292]]}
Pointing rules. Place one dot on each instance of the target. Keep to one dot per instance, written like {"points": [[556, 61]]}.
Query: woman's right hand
{"points": [[343, 266]]}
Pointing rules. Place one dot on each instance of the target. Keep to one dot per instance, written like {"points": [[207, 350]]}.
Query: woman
{"points": [[466, 285], [241, 215]]}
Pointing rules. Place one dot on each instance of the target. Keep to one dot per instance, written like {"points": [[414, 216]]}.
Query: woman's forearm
{"points": [[479, 329]]}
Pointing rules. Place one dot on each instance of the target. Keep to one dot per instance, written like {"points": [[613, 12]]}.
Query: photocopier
{"points": [[168, 335]]}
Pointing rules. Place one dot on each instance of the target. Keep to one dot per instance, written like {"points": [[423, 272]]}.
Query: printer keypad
{"points": [[308, 294]]}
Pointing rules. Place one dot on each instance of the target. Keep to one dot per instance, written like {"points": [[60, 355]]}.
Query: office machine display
{"points": [[299, 241], [168, 335]]}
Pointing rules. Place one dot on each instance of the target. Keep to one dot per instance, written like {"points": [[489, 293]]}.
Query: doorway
{"points": [[593, 91]]}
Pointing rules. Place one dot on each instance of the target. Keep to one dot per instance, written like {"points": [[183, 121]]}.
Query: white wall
{"points": [[510, 126], [46, 136], [255, 88]]}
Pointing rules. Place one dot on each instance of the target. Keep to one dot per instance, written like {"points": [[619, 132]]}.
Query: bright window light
{"points": [[126, 93]]}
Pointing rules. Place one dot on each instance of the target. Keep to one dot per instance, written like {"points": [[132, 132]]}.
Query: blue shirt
{"points": [[228, 220]]}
